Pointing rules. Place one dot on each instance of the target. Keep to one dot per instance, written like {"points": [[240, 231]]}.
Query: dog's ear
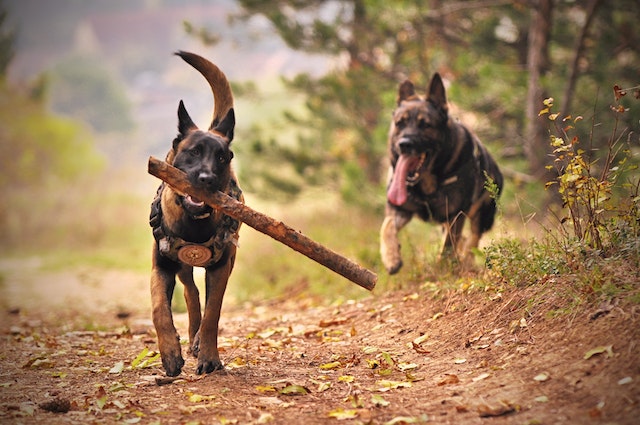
{"points": [[226, 125], [185, 123], [437, 95], [405, 91]]}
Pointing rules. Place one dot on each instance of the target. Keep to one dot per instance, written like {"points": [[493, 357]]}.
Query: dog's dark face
{"points": [[417, 135], [205, 156]]}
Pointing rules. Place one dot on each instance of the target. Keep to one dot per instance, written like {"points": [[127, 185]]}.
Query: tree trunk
{"points": [[579, 52], [536, 138]]}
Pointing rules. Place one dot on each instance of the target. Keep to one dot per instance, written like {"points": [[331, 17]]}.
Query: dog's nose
{"points": [[206, 178], [406, 145]]}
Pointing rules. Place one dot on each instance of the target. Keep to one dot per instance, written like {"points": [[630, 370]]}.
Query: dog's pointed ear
{"points": [[405, 91], [437, 95], [185, 123], [226, 125]]}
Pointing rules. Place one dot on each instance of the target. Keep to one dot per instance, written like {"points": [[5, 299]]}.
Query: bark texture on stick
{"points": [[267, 225]]}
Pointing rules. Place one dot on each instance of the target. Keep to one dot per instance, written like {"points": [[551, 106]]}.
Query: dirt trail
{"points": [[416, 356]]}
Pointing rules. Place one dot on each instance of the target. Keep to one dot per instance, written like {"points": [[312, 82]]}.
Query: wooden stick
{"points": [[265, 224]]}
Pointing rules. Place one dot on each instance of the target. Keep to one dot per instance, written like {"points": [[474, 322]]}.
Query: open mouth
{"points": [[195, 206], [407, 171]]}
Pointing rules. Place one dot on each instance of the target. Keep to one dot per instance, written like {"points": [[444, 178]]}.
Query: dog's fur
{"points": [[438, 172], [205, 157]]}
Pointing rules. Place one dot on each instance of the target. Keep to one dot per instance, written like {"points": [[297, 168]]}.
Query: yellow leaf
{"points": [[377, 400], [346, 378], [599, 350], [342, 414], [265, 388], [294, 390], [330, 366]]}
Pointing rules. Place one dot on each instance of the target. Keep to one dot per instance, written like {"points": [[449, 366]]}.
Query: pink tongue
{"points": [[397, 192]]}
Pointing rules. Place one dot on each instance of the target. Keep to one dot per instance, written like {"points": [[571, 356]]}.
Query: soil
{"points": [[78, 348]]}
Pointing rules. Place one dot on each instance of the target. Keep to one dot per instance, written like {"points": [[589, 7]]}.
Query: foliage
{"points": [[594, 210], [45, 161], [599, 254], [37, 147], [87, 92]]}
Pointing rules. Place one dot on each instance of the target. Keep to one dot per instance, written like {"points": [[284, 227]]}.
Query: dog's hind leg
{"points": [[389, 242], [192, 299]]}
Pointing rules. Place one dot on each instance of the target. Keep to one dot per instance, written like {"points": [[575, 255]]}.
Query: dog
{"points": [[188, 233], [439, 172]]}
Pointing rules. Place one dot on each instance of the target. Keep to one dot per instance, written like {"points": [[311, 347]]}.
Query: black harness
{"points": [[194, 254]]}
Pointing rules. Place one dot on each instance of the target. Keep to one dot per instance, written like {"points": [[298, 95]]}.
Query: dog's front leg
{"points": [[389, 242], [162, 285], [207, 338]]}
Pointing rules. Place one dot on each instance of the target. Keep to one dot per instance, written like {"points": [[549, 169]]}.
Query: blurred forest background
{"points": [[89, 89]]}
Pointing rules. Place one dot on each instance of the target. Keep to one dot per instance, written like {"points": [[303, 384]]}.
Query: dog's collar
{"points": [[194, 254]]}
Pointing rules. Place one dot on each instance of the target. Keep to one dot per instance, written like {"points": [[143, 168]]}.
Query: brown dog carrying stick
{"points": [[190, 233]]}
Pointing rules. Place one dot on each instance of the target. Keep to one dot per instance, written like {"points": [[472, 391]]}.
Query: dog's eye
{"points": [[196, 152], [401, 123]]}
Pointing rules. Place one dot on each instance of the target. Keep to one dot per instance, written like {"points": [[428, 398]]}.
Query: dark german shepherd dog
{"points": [[438, 171], [189, 233]]}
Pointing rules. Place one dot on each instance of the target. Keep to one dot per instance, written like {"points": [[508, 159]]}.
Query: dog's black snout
{"points": [[206, 178], [406, 145]]}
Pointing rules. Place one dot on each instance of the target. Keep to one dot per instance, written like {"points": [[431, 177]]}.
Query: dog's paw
{"points": [[194, 349], [395, 268], [172, 364], [208, 366]]}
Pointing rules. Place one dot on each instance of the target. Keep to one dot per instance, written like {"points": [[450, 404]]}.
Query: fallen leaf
{"points": [[625, 380], [407, 366], [342, 414], [333, 322], [481, 377], [377, 400], [323, 386], [387, 358], [400, 420], [237, 363], [459, 361], [294, 390], [198, 398], [265, 388], [330, 365], [541, 377], [346, 378], [369, 350], [599, 350], [418, 349], [265, 418], [419, 340], [503, 408], [117, 368], [449, 379], [386, 385], [542, 399]]}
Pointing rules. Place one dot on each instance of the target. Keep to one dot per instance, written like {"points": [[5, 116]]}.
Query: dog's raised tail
{"points": [[223, 98]]}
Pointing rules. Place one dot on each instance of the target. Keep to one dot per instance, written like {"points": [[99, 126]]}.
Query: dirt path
{"points": [[418, 356]]}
